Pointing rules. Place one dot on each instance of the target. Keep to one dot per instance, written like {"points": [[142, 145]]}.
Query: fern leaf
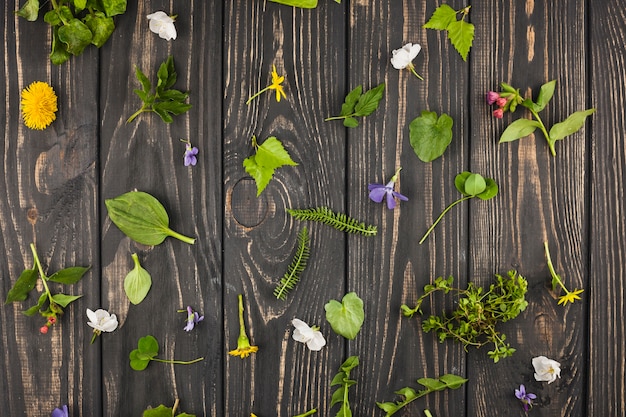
{"points": [[297, 266], [337, 220]]}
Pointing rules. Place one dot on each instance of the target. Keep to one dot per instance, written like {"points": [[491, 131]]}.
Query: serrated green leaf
{"points": [[163, 114], [570, 125], [172, 107], [350, 122], [63, 299], [114, 7], [29, 11], [137, 282], [261, 175], [69, 275], [545, 95], [143, 79], [297, 266], [518, 129], [347, 108], [441, 18], [432, 384], [368, 101], [272, 154], [461, 34], [34, 309], [430, 135], [453, 381], [305, 4], [346, 318], [101, 28], [24, 284], [75, 35]]}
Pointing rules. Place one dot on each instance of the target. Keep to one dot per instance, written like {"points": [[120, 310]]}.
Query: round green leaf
{"points": [[346, 318], [491, 190], [76, 35], [474, 184]]}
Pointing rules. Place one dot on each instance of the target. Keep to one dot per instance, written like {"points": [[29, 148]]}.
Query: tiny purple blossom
{"points": [[193, 318], [190, 155], [525, 397], [379, 191], [492, 96], [57, 412]]}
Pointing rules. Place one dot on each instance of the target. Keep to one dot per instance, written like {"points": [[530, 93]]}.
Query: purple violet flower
{"points": [[190, 155], [525, 397], [57, 412], [380, 191], [193, 318]]}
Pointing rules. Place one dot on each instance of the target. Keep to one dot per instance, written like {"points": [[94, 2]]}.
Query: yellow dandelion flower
{"points": [[244, 352], [570, 296], [39, 105], [244, 349]]}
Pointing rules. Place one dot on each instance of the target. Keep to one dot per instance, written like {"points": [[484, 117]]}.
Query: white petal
{"points": [[317, 342], [158, 16], [400, 59], [414, 51], [93, 318], [168, 32], [299, 337], [110, 324]]}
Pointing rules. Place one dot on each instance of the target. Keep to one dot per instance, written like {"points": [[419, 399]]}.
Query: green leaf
{"points": [[461, 34], [137, 283], [160, 411], [262, 176], [305, 4], [59, 53], [545, 95], [297, 266], [339, 221], [518, 129], [63, 300], [142, 218], [101, 28], [163, 75], [368, 102], [114, 7], [75, 35], [453, 381], [441, 18], [350, 122], [430, 135], [347, 108], [143, 79], [346, 318], [34, 309], [172, 106], [24, 284], [269, 156], [459, 181], [147, 349], [29, 11], [432, 384], [80, 4], [570, 125], [474, 185], [491, 190], [342, 378], [69, 275], [52, 17]]}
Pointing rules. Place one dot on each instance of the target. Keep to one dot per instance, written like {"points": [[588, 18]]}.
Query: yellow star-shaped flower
{"points": [[276, 84], [570, 296]]}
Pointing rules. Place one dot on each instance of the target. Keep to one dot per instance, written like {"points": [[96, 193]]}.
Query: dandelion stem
{"points": [[177, 362], [257, 94], [555, 276]]}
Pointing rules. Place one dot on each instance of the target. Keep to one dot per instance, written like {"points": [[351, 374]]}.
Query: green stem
{"points": [[178, 236], [175, 406], [43, 276], [143, 109], [257, 94], [177, 362], [412, 68], [542, 127], [427, 413], [337, 118], [308, 413], [551, 267], [242, 325], [441, 216]]}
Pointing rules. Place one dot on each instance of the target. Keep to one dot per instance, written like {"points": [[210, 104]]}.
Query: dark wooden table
{"points": [[56, 181]]}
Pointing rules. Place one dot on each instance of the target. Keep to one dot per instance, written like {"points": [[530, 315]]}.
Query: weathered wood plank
{"points": [[607, 245], [541, 199], [147, 155], [392, 268], [49, 197], [306, 46]]}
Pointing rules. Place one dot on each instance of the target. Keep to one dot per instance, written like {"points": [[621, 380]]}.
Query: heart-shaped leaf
{"points": [[346, 318]]}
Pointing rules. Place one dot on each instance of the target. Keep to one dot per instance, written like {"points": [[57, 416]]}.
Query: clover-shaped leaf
{"points": [[147, 349], [346, 318], [475, 185]]}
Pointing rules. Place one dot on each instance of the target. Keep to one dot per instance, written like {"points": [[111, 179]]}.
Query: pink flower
{"points": [[501, 101], [498, 113], [492, 96]]}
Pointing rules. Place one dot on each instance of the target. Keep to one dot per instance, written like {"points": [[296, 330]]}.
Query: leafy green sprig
{"points": [[409, 394], [342, 378], [359, 104], [269, 156], [470, 185], [474, 321], [48, 305], [460, 32], [165, 101], [297, 266], [75, 24], [524, 127], [339, 221], [163, 411], [147, 350]]}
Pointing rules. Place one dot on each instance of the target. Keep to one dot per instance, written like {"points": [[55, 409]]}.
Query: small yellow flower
{"points": [[570, 296], [39, 104], [244, 352], [244, 349], [277, 80]]}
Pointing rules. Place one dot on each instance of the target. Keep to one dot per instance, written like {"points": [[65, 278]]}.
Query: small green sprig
{"points": [[297, 266], [474, 321], [359, 104], [49, 305], [163, 411], [165, 101], [340, 396], [524, 127], [470, 185], [147, 350], [339, 221], [268, 157], [570, 296], [460, 32], [409, 394]]}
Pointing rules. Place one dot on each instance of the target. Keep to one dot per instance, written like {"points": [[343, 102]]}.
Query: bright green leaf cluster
{"points": [[48, 305], [470, 185], [297, 266], [76, 24], [460, 32], [165, 101], [269, 156], [359, 104], [430, 135], [409, 394], [346, 318], [147, 350], [474, 321], [339, 221], [342, 378], [524, 127]]}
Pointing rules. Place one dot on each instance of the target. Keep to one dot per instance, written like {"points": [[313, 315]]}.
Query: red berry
{"points": [[44, 329]]}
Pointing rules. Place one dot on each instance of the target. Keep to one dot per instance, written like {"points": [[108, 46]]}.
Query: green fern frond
{"points": [[297, 266], [337, 220]]}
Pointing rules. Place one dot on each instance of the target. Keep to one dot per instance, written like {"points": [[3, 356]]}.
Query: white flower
{"points": [[309, 335], [402, 58], [101, 320], [546, 369], [163, 25]]}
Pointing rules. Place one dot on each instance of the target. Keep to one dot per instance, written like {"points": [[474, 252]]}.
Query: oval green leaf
{"points": [[570, 125], [518, 129], [474, 184], [63, 300], [137, 283], [69, 275], [24, 284]]}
